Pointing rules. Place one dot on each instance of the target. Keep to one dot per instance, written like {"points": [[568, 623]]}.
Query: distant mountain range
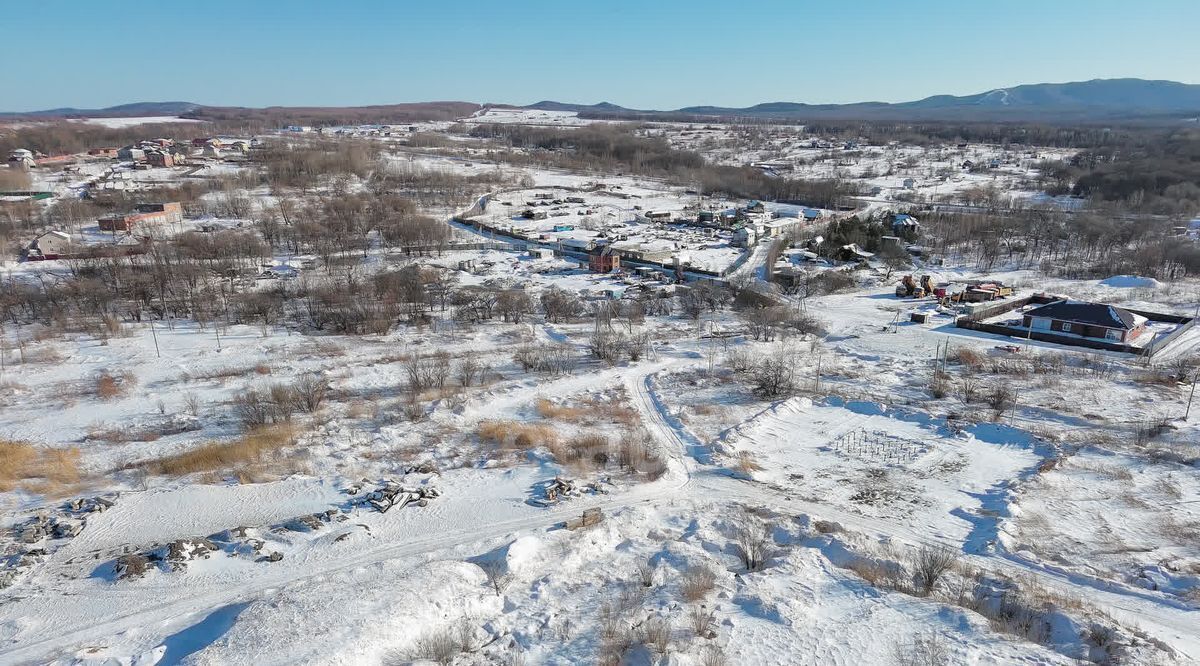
{"points": [[132, 110], [1096, 100], [1099, 99]]}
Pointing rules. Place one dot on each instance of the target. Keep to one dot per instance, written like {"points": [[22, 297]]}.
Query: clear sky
{"points": [[659, 54]]}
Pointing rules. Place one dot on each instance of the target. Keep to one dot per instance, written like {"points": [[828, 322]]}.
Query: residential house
{"points": [[639, 251], [1088, 320], [603, 259], [903, 223], [131, 154], [744, 236], [155, 213], [159, 158], [170, 211], [51, 245], [852, 252], [577, 244]]}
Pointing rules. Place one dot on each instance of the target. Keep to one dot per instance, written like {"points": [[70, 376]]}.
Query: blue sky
{"points": [[648, 54]]}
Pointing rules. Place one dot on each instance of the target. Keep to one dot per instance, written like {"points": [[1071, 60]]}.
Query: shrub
{"points": [[645, 573], [702, 622], [656, 632], [931, 563], [967, 356], [754, 543], [440, 646], [697, 581], [746, 464], [712, 655], [924, 650], [110, 387], [308, 392]]}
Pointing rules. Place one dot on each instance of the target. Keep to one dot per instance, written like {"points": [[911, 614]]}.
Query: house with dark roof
{"points": [[1088, 320]]}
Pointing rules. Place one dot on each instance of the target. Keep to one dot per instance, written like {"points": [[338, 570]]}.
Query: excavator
{"points": [[909, 287]]}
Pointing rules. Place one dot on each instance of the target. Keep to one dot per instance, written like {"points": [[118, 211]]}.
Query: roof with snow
{"points": [[1091, 314]]}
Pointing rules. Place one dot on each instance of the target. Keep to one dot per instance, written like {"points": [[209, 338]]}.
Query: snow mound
{"points": [[523, 552], [1130, 282]]}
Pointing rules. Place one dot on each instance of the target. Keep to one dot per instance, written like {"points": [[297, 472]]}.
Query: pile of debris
{"points": [[561, 489], [86, 505], [42, 527], [388, 495], [590, 517], [311, 522], [43, 533], [174, 556]]}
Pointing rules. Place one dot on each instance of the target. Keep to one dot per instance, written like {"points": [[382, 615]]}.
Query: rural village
{"points": [[589, 390]]}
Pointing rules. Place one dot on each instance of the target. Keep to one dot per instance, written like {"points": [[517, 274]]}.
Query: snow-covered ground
{"points": [[529, 117], [1076, 487], [131, 121]]}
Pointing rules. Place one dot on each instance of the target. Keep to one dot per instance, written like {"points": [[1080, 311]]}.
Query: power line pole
{"points": [[154, 335], [1191, 395]]}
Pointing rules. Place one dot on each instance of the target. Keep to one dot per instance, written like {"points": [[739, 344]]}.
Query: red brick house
{"points": [[604, 260]]}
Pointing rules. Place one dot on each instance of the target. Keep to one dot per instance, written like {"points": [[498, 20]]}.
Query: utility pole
{"points": [[1191, 395], [154, 335]]}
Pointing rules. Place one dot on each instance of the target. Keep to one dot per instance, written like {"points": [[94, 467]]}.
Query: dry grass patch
{"points": [[590, 411], [111, 387], [517, 435], [697, 582], [251, 447], [967, 356], [42, 354], [42, 470], [550, 410], [746, 464]]}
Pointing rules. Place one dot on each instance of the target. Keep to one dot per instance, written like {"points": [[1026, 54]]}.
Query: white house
{"points": [[51, 244]]}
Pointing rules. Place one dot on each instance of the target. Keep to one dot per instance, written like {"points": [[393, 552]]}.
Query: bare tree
{"points": [[469, 369], [498, 575]]}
